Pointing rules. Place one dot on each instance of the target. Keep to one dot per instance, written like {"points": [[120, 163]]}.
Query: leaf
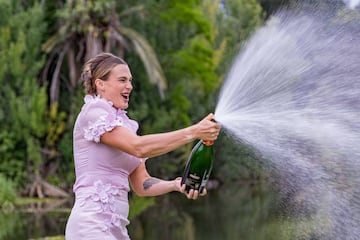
{"points": [[148, 57]]}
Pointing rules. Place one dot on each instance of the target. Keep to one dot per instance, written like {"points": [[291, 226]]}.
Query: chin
{"points": [[121, 106], [124, 107]]}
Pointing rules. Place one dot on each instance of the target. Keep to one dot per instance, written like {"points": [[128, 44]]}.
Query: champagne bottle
{"points": [[198, 166]]}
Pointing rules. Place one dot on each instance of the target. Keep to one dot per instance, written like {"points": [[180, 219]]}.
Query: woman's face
{"points": [[118, 87]]}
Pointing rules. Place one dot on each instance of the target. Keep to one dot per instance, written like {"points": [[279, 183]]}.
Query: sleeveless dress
{"points": [[101, 188]]}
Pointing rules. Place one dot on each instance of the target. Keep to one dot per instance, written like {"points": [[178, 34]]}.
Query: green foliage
{"points": [[138, 205], [9, 223], [12, 162], [90, 16], [197, 43], [7, 192], [186, 51], [187, 54], [194, 40], [52, 238], [56, 125], [271, 6], [240, 19], [23, 101]]}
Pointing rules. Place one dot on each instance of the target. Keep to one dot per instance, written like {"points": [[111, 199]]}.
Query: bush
{"points": [[7, 191]]}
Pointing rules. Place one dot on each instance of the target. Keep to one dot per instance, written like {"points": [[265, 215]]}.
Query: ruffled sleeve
{"points": [[99, 117]]}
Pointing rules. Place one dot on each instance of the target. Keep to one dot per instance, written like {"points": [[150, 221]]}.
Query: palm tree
{"points": [[86, 28]]}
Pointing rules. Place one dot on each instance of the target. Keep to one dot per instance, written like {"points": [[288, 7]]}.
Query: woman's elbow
{"points": [[139, 153], [141, 193], [139, 150]]}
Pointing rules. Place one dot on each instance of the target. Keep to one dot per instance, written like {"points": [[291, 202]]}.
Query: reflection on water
{"points": [[35, 221], [238, 212]]}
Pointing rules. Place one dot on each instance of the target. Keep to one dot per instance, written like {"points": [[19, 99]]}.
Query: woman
{"points": [[108, 153]]}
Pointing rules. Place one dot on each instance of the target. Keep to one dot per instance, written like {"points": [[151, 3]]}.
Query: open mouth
{"points": [[125, 96]]}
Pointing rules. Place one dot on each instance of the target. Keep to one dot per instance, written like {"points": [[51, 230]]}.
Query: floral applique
{"points": [[98, 128], [103, 124], [107, 122], [104, 195]]}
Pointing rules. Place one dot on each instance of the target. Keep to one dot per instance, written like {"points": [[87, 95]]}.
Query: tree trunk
{"points": [[41, 189]]}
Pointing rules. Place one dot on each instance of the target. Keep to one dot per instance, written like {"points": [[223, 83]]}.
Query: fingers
{"points": [[213, 132], [206, 129], [182, 189], [203, 192], [211, 129], [193, 194], [210, 116]]}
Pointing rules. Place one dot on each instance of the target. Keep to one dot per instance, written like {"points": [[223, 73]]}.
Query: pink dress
{"points": [[101, 188]]}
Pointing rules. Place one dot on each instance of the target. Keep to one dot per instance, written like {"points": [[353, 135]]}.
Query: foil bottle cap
{"points": [[208, 143]]}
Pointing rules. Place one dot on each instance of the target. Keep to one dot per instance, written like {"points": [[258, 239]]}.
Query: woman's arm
{"points": [[145, 185], [157, 144]]}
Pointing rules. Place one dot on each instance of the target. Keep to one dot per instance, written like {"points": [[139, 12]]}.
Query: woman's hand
{"points": [[206, 129], [192, 194]]}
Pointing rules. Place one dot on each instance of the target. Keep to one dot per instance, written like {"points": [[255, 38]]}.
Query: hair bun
{"points": [[86, 74]]}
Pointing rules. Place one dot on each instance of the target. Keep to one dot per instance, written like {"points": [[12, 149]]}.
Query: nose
{"points": [[129, 85]]}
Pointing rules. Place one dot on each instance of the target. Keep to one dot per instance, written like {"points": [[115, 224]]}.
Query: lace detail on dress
{"points": [[107, 122], [98, 128], [105, 195]]}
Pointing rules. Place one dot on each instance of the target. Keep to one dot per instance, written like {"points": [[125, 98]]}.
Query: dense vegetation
{"points": [[179, 53]]}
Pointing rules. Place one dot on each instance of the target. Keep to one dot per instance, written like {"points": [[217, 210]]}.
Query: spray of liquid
{"points": [[353, 4], [293, 95]]}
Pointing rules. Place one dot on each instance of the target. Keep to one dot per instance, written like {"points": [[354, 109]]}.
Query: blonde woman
{"points": [[109, 155]]}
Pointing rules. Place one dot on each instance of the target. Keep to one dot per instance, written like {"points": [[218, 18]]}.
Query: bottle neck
{"points": [[208, 143]]}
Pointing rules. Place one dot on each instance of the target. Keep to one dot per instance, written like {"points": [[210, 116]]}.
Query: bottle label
{"points": [[193, 176], [193, 182], [196, 182]]}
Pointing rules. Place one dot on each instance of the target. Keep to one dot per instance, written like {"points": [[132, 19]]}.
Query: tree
{"points": [[86, 28], [195, 42], [27, 133], [190, 42], [83, 29]]}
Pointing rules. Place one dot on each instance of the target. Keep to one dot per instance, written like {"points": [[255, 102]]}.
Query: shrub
{"points": [[7, 191]]}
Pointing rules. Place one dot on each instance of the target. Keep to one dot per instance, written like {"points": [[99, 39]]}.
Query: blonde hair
{"points": [[98, 67]]}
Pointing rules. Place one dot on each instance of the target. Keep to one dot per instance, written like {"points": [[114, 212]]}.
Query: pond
{"points": [[241, 212]]}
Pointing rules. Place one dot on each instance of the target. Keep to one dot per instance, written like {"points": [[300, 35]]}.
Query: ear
{"points": [[99, 84]]}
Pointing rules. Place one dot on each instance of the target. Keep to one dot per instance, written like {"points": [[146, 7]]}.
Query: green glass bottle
{"points": [[198, 166]]}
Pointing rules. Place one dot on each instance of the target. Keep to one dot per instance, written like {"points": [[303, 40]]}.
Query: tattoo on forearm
{"points": [[149, 182]]}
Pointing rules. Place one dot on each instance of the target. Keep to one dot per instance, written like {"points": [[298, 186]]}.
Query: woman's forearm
{"points": [[145, 185], [148, 145], [156, 144], [155, 187]]}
